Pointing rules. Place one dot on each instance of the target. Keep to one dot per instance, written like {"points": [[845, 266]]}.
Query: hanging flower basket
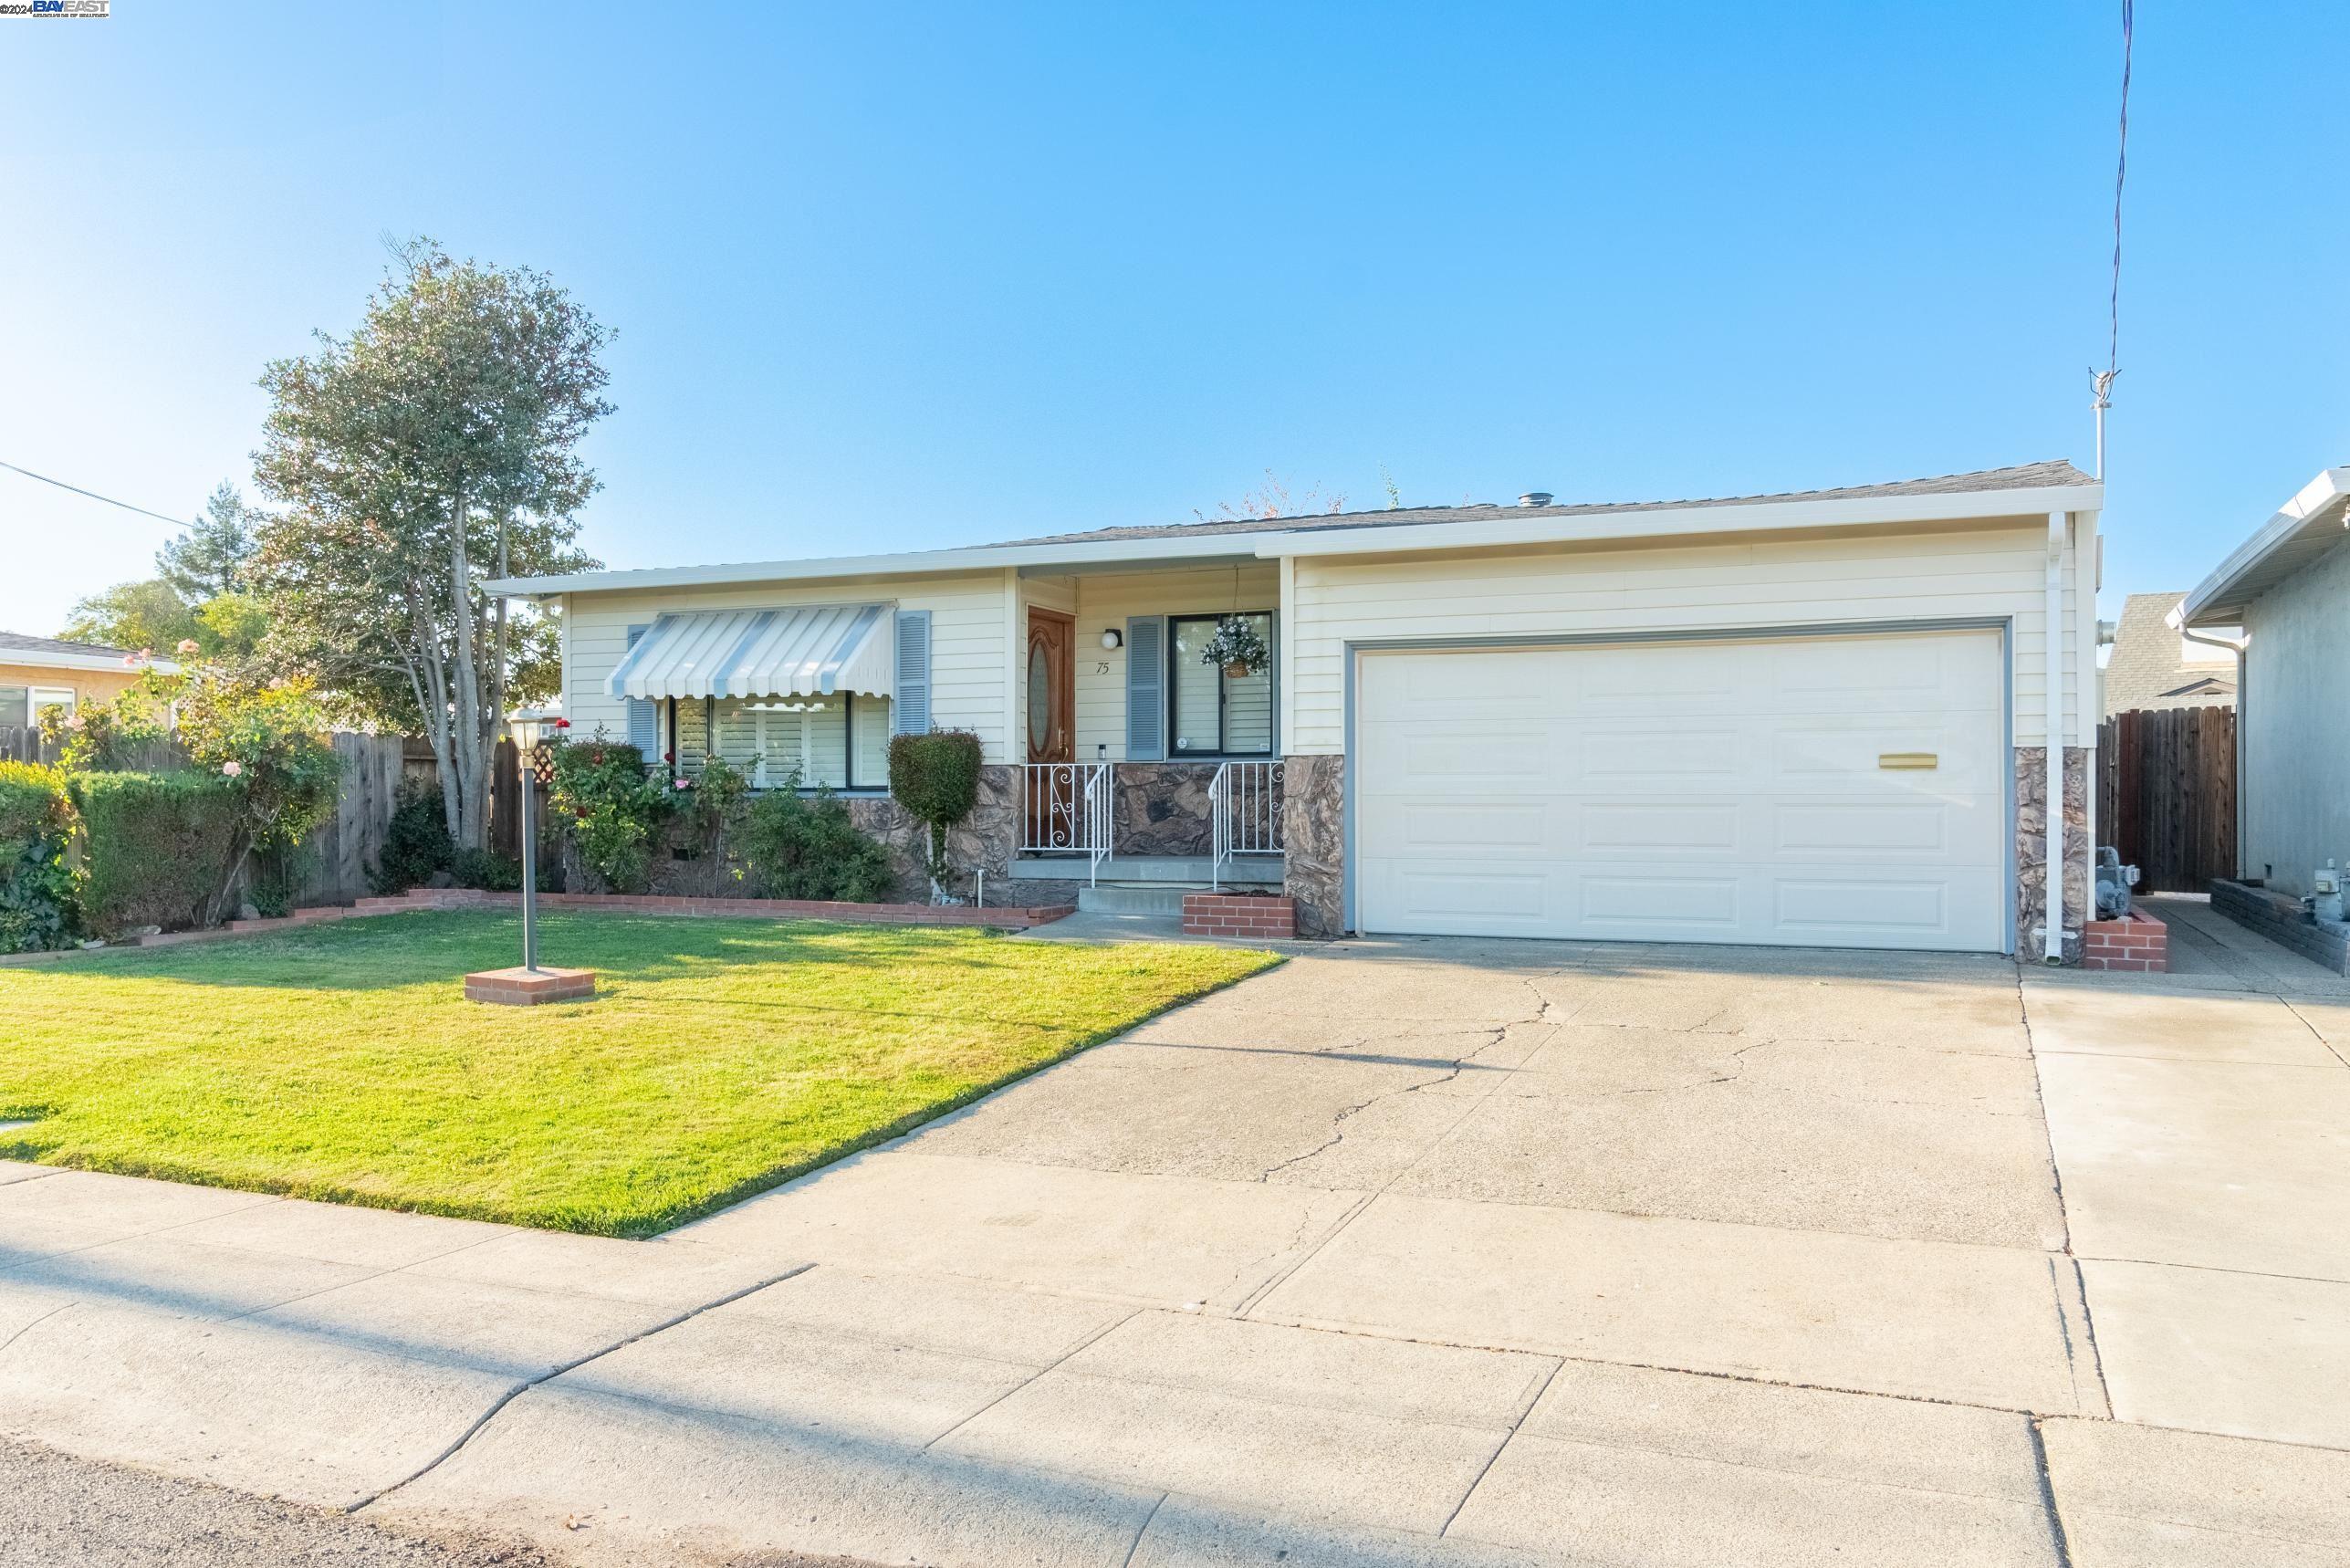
{"points": [[1238, 646]]}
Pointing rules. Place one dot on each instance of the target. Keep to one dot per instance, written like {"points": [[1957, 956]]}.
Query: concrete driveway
{"points": [[1406, 1252]]}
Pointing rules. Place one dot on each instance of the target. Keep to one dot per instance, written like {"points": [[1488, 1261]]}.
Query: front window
{"points": [[841, 740], [1216, 712], [16, 707]]}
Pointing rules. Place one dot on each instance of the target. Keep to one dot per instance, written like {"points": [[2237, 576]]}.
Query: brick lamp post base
{"points": [[521, 988]]}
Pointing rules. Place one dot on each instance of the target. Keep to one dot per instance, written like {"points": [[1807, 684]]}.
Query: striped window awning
{"points": [[811, 650]]}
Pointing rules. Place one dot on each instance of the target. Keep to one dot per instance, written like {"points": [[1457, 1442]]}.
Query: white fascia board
{"points": [[42, 658], [2307, 505], [912, 563], [1368, 538], [1674, 522]]}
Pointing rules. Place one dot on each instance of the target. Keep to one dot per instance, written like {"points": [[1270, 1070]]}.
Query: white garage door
{"points": [[1824, 792]]}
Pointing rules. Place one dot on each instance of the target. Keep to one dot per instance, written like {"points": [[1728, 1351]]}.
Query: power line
{"points": [[44, 478], [2103, 381], [2121, 169]]}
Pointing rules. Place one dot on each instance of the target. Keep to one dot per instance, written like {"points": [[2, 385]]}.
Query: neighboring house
{"points": [[1814, 719], [2288, 587], [2154, 665], [45, 672]]}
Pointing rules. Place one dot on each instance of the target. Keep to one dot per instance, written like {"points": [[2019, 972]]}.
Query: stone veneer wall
{"points": [[985, 840], [2031, 848], [1314, 830]]}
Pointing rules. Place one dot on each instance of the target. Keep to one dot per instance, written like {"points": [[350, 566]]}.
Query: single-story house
{"points": [[1820, 718], [2288, 588], [2155, 665], [36, 672]]}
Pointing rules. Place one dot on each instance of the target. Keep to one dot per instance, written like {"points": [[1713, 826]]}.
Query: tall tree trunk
{"points": [[434, 703], [497, 674], [472, 761]]}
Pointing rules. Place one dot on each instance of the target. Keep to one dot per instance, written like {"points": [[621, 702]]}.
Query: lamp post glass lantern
{"points": [[529, 727]]}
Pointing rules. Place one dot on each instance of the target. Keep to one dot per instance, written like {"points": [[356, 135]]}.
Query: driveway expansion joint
{"points": [[2048, 1497]]}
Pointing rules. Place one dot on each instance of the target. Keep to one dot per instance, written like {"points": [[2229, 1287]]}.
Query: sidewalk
{"points": [[1403, 1253]]}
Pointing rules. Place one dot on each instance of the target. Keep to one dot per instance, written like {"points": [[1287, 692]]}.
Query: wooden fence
{"points": [[334, 861], [23, 742], [2166, 795]]}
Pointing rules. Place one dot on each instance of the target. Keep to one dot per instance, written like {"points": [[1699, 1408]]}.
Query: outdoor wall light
{"points": [[1113, 638]]}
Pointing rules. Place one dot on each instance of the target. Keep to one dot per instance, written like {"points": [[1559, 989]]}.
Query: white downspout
{"points": [[2059, 650]]}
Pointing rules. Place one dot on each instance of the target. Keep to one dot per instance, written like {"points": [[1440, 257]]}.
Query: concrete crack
{"points": [[524, 1386]]}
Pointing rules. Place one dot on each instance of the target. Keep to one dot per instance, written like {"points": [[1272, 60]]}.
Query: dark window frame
{"points": [[849, 785], [1272, 692]]}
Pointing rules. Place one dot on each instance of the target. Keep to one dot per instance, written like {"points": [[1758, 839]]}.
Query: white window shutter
{"points": [[910, 705], [1146, 700], [644, 718]]}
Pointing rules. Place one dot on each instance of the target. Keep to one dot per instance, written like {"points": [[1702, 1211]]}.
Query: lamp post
{"points": [[531, 984], [528, 725]]}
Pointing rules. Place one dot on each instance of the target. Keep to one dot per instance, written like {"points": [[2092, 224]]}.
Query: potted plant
{"points": [[1238, 646]]}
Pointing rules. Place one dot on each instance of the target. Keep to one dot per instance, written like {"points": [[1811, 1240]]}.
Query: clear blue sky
{"points": [[896, 276]]}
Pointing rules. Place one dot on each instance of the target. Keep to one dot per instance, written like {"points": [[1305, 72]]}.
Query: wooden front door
{"points": [[1052, 686]]}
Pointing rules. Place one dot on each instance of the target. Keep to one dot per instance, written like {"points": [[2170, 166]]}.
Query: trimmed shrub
{"points": [[611, 809], [416, 844], [156, 845], [801, 846], [494, 872], [936, 776], [40, 903]]}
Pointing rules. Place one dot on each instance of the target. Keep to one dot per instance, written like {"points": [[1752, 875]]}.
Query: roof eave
{"points": [[912, 564], [2220, 597], [48, 659], [1551, 529], [1672, 522]]}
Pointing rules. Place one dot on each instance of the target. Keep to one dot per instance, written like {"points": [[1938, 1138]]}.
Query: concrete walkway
{"points": [[1406, 1252]]}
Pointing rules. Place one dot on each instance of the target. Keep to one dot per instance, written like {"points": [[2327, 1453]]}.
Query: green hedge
{"points": [[39, 891], [157, 847]]}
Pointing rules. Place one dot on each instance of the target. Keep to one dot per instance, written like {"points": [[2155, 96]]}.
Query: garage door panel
{"points": [[1457, 756], [1652, 827], [1717, 791], [1690, 903], [1611, 755], [1466, 826], [1460, 900]]}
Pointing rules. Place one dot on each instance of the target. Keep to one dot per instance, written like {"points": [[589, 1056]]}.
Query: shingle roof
{"points": [[22, 644], [2149, 669], [2030, 475]]}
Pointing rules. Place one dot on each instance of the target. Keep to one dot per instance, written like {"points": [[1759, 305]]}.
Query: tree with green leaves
{"points": [[201, 595], [136, 615], [208, 559], [432, 449]]}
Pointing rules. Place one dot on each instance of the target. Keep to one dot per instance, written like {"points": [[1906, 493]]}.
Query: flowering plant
{"points": [[1237, 645], [614, 806]]}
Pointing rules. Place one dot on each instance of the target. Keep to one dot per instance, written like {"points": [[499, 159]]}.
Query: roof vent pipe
{"points": [[1535, 498]]}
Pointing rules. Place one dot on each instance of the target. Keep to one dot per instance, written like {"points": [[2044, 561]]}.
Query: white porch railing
{"points": [[1065, 809], [1244, 814]]}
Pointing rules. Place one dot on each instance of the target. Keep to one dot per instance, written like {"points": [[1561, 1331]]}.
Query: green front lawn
{"points": [[722, 1056]]}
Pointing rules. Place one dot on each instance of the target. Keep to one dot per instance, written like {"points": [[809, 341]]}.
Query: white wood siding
{"points": [[969, 657], [1993, 572], [1105, 601]]}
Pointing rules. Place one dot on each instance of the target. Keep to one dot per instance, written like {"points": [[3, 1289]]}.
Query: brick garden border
{"points": [[1015, 918], [1241, 915], [2281, 920], [2137, 943]]}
